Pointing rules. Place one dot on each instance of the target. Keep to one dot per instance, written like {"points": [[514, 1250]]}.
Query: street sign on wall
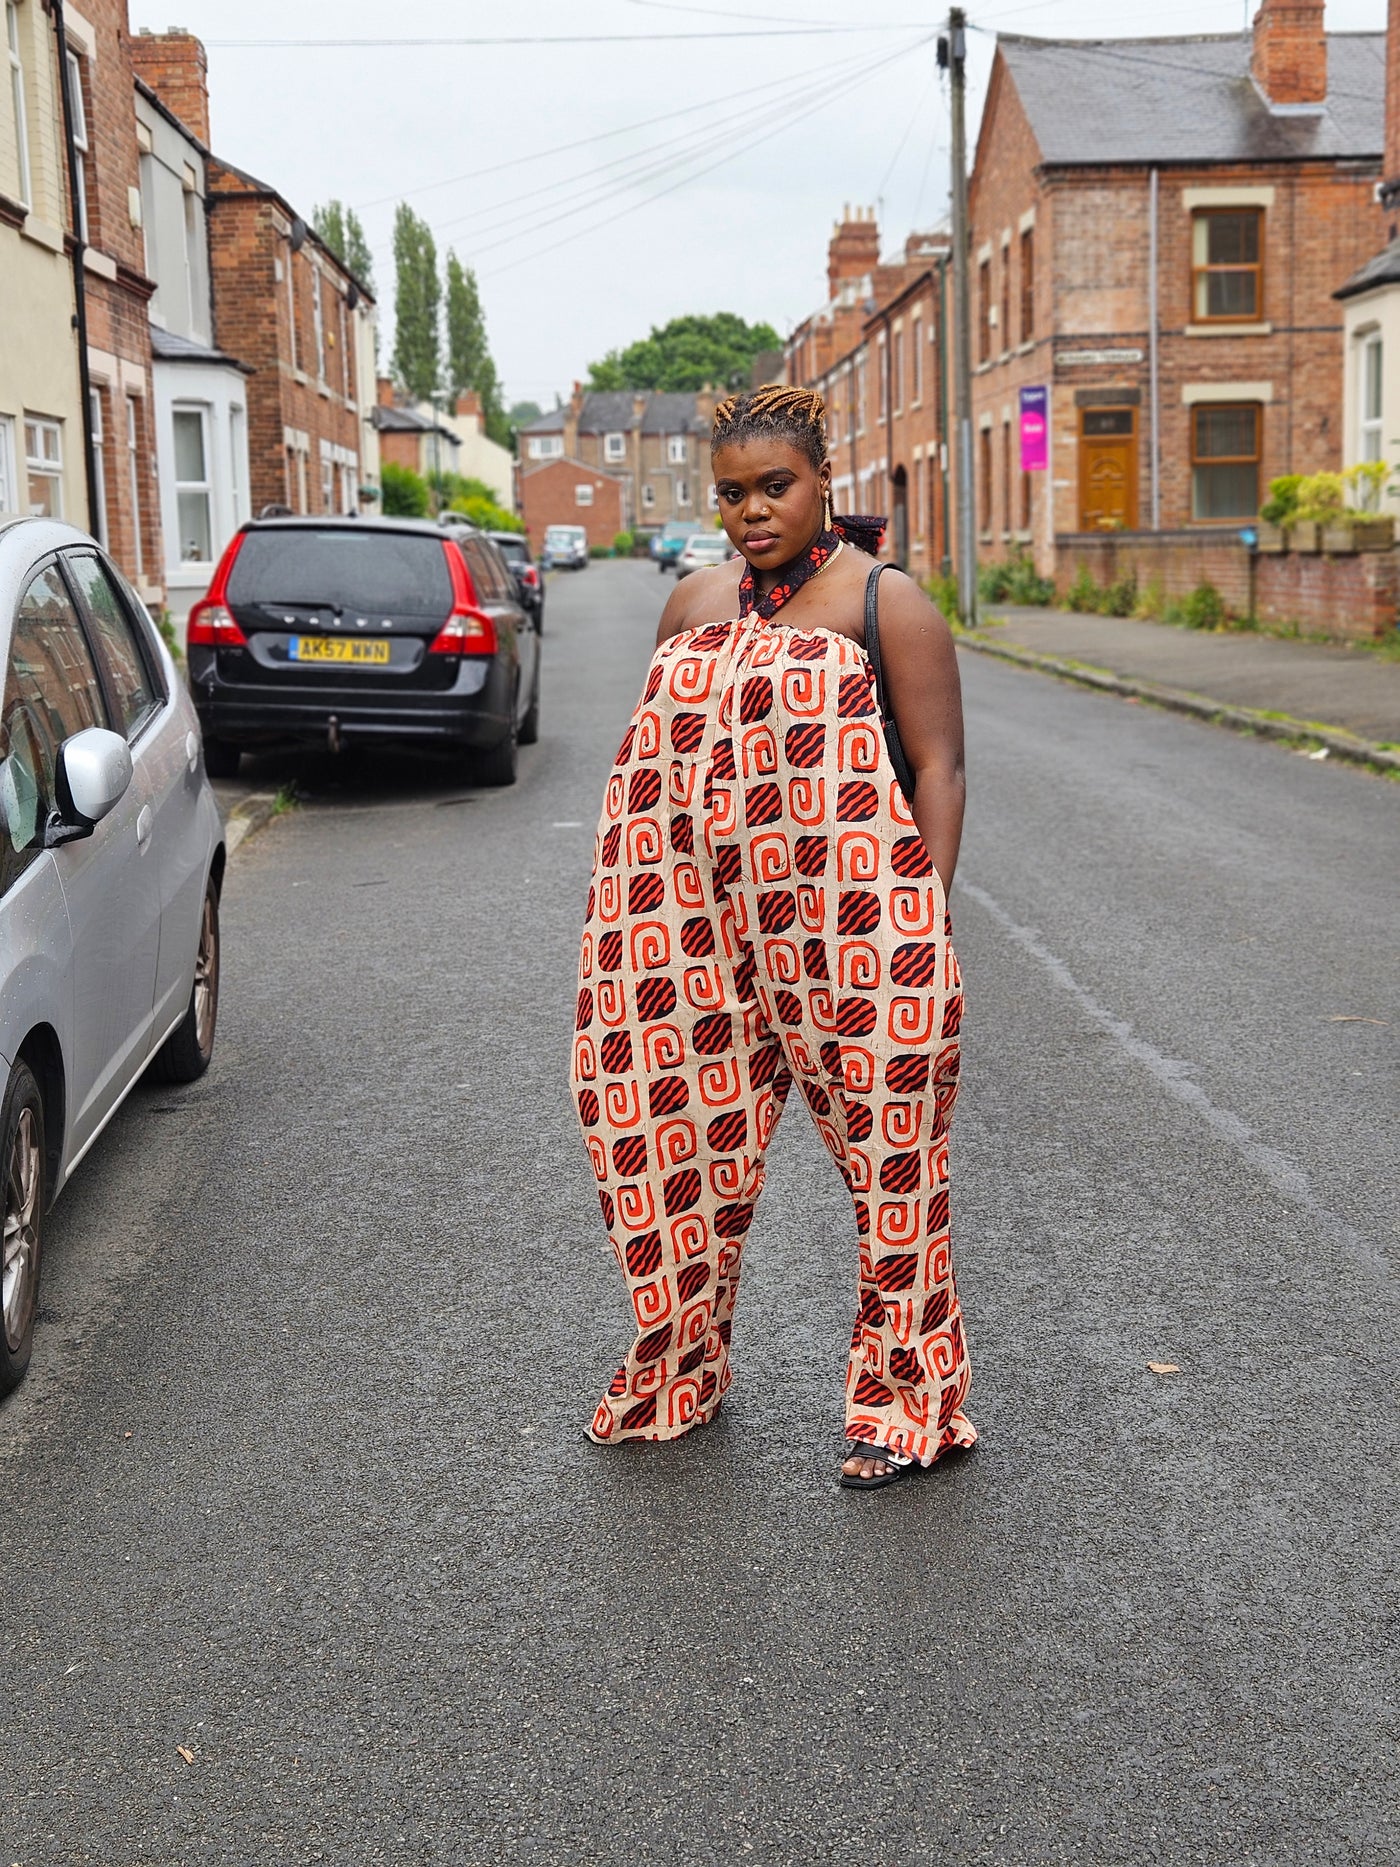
{"points": [[1035, 428]]}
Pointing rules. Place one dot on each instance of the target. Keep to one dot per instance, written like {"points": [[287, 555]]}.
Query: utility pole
{"points": [[952, 55]]}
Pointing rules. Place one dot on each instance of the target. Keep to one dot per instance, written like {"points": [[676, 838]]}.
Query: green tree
{"points": [[405, 492], [339, 226], [521, 414], [417, 301], [686, 354], [469, 360]]}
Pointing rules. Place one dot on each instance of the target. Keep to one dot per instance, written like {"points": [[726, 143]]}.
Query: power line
{"points": [[564, 38], [730, 156], [642, 164]]}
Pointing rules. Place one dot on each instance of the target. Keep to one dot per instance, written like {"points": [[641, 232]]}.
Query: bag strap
{"points": [[872, 638]]}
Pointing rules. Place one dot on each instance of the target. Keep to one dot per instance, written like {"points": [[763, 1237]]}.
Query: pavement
{"points": [[1340, 686], [307, 1559]]}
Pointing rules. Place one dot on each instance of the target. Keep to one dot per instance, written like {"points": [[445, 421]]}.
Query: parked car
{"points": [[516, 552], [702, 549], [669, 542], [321, 631], [565, 546], [111, 862]]}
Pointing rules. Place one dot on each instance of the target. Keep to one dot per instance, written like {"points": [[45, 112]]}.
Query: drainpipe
{"points": [[1154, 461], [65, 89], [946, 562]]}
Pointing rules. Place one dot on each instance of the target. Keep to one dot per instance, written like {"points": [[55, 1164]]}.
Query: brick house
{"points": [[1370, 301], [427, 438], [42, 466], [1157, 229], [655, 443], [118, 293], [564, 491], [875, 353]]}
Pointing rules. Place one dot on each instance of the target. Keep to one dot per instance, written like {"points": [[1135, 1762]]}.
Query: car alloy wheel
{"points": [[24, 1190], [206, 976]]}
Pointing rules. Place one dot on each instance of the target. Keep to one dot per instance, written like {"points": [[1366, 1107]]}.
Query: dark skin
{"points": [[772, 501]]}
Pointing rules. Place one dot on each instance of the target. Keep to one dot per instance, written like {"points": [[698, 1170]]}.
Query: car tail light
{"points": [[468, 629], [530, 576], [210, 624]]}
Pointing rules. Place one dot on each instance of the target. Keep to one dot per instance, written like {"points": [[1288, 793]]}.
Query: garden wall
{"points": [[1353, 594]]}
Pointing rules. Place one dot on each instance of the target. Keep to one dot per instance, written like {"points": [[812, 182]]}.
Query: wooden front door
{"points": [[1108, 478]]}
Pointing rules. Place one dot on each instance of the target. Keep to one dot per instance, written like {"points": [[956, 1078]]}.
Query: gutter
{"points": [[96, 517]]}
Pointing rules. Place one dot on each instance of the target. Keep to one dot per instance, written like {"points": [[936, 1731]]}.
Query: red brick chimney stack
{"points": [[1290, 52], [854, 252], [175, 67], [1391, 169]]}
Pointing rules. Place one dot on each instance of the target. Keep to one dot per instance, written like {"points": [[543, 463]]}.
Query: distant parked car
{"points": [[327, 631], [702, 549], [516, 552], [669, 542], [565, 546], [111, 863]]}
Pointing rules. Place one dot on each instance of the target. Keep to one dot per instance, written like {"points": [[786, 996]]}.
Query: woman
{"points": [[767, 907]]}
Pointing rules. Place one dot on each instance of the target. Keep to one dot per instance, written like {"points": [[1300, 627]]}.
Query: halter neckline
{"points": [[812, 562]]}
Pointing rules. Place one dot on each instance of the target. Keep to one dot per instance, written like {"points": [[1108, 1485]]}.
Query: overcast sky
{"points": [[715, 165]]}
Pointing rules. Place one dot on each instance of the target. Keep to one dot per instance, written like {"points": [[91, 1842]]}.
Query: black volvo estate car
{"points": [[321, 631]]}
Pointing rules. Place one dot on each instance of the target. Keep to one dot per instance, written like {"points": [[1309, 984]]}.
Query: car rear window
{"points": [[512, 547], [396, 573]]}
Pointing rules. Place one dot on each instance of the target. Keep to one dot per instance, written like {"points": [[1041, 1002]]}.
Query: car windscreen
{"points": [[564, 534], [384, 573], [676, 528]]}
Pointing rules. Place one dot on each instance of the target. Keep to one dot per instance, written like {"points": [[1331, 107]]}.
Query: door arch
{"points": [[899, 492]]}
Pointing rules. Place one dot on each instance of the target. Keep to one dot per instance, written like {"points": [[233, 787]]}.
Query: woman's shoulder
{"points": [[709, 595]]}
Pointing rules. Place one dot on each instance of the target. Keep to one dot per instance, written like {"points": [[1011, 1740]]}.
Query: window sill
{"points": [[99, 263], [299, 375], [1228, 330], [324, 388], [1024, 349], [42, 234]]}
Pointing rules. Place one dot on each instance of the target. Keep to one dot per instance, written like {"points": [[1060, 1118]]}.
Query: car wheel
{"points": [[221, 759], [530, 726], [22, 1140], [498, 766], [185, 1054]]}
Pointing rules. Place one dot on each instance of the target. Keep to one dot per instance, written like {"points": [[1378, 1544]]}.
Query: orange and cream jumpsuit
{"points": [[764, 911]]}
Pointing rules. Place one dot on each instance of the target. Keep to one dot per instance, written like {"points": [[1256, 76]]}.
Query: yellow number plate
{"points": [[336, 648]]}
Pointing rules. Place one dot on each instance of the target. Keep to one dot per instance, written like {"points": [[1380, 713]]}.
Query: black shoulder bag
{"points": [[898, 757]]}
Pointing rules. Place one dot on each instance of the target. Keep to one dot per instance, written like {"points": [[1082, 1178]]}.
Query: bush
{"points": [[405, 493], [1151, 602], [1084, 594], [1015, 581], [1281, 507], [1120, 599], [1204, 608], [600, 551], [622, 545], [944, 593]]}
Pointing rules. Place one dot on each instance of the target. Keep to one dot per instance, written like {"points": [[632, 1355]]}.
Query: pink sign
{"points": [[1035, 428]]}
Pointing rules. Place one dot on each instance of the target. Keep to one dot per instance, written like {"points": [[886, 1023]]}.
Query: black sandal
{"points": [[901, 1464]]}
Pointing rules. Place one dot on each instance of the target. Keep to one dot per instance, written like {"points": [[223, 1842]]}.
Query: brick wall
{"points": [[176, 68], [1356, 595], [547, 497]]}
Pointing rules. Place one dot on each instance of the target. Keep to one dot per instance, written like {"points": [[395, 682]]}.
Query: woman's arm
{"points": [[921, 672]]}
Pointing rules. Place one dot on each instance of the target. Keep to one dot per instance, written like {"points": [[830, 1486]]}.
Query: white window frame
{"points": [[99, 518], [80, 142], [318, 319], [648, 495], [25, 176], [712, 498], [916, 387], [897, 365], [583, 493], [237, 448], [1369, 419], [191, 214], [295, 356], [42, 465], [682, 492], [546, 447], [327, 481], [678, 451], [133, 468], [200, 489], [614, 447], [9, 484]]}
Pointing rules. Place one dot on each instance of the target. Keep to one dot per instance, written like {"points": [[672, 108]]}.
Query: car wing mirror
{"points": [[92, 777]]}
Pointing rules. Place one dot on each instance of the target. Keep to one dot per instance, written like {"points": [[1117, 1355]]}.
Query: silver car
{"points": [[111, 860], [701, 550]]}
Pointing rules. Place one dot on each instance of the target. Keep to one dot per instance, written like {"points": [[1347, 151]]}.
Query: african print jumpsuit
{"points": [[763, 909]]}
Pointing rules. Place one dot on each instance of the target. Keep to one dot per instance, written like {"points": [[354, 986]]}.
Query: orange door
{"points": [[1108, 470]]}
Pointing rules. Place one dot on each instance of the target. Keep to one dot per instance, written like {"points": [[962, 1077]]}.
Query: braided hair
{"points": [[777, 411]]}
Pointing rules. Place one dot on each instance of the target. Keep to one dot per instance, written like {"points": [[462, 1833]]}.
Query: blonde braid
{"points": [[779, 410]]}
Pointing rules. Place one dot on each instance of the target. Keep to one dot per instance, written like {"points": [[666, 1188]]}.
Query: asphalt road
{"points": [[297, 1481]]}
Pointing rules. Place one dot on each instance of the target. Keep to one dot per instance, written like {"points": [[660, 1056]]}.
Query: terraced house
{"points": [[1158, 228]]}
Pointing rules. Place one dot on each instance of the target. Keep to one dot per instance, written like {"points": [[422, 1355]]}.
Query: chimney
{"points": [[1391, 170], [384, 391], [469, 403], [1290, 53], [173, 64], [854, 251]]}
